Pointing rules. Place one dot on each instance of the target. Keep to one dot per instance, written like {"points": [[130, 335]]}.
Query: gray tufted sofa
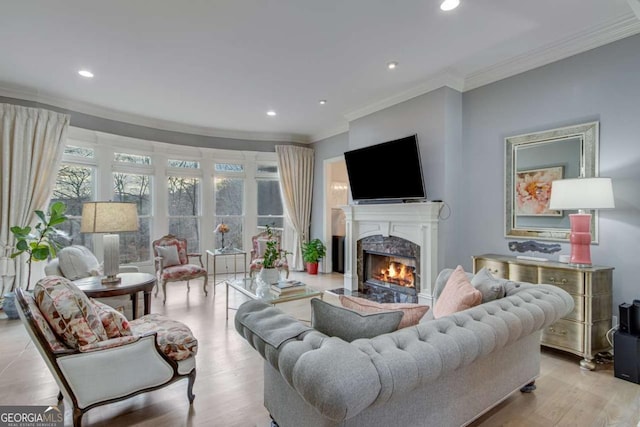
{"points": [[443, 372]]}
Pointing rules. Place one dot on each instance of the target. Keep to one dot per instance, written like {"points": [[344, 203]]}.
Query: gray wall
{"points": [[325, 149], [602, 84], [86, 121]]}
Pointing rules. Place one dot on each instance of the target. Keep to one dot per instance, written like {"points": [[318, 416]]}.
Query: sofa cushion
{"points": [[412, 312], [115, 323], [77, 262], [457, 295], [169, 255], [490, 287], [350, 325], [68, 311], [174, 338]]}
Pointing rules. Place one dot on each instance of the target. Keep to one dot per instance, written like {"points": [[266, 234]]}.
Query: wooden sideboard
{"points": [[583, 331]]}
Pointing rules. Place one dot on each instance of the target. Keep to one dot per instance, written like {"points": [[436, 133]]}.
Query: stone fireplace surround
{"points": [[415, 222]]}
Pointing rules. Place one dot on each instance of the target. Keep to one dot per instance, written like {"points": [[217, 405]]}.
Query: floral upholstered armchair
{"points": [[258, 246], [172, 263], [95, 354]]}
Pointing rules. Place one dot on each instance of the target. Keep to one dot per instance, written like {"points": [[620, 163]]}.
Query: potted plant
{"points": [[272, 254], [312, 252]]}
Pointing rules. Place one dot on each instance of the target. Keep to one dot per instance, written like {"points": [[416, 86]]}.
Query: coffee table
{"points": [[130, 284], [248, 287]]}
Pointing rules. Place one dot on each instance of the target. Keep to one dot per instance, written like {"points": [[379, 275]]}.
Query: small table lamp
{"points": [[109, 217], [581, 194]]}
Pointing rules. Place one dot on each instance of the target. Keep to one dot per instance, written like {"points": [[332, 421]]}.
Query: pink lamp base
{"points": [[580, 239]]}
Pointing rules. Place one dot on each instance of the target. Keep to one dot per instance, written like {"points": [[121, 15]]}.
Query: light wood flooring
{"points": [[229, 383]]}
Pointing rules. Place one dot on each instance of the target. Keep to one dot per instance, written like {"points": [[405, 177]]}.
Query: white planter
{"points": [[269, 275]]}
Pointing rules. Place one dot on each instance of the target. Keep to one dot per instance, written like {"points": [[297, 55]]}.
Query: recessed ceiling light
{"points": [[448, 5], [322, 102], [271, 113], [392, 65], [86, 73]]}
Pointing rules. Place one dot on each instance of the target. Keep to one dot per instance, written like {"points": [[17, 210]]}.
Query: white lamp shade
{"points": [[109, 217], [582, 193]]}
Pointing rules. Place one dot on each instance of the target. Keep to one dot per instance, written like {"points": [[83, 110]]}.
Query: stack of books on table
{"points": [[287, 287]]}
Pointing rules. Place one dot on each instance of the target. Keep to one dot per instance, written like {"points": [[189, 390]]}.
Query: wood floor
{"points": [[228, 387]]}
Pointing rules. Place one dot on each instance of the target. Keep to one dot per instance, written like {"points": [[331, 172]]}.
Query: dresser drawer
{"points": [[570, 281], [565, 334], [523, 273], [499, 270], [578, 309]]}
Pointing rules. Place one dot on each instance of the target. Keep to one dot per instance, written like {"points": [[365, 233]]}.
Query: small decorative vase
{"points": [[270, 275], [9, 305]]}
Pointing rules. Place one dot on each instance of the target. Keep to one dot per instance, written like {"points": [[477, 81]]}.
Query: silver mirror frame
{"points": [[589, 136]]}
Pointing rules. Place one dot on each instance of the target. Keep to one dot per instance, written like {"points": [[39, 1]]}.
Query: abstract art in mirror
{"points": [[532, 162]]}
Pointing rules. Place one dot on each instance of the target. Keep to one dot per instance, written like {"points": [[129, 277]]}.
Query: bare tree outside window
{"points": [[135, 247], [74, 186], [229, 196], [184, 209], [270, 211]]}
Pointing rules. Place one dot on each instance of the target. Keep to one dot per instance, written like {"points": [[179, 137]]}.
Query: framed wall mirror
{"points": [[532, 162]]}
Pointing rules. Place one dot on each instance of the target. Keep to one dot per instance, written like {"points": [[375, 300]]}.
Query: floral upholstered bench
{"points": [[95, 354]]}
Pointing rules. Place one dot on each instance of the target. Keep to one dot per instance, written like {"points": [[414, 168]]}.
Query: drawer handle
{"points": [[553, 280], [493, 270], [554, 331]]}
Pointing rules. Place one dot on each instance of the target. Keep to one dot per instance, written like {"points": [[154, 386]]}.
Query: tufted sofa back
{"points": [[341, 379]]}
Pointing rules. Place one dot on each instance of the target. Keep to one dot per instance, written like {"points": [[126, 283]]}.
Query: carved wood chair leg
{"points": [[192, 380], [204, 285], [60, 396], [286, 273], [77, 417], [164, 291], [529, 387], [188, 287]]}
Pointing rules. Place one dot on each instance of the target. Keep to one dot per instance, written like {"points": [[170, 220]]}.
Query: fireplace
{"points": [[383, 240], [388, 268]]}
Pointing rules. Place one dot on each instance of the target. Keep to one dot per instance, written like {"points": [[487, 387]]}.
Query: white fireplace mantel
{"points": [[416, 222]]}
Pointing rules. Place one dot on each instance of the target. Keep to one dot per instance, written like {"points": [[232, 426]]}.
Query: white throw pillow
{"points": [[169, 255], [77, 262]]}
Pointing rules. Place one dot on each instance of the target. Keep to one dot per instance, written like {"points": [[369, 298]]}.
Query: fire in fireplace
{"points": [[391, 271]]}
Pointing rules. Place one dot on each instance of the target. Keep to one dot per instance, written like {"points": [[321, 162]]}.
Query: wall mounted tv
{"points": [[387, 172]]}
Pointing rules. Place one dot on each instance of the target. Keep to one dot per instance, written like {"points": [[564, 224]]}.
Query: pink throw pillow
{"points": [[115, 323], [412, 312], [458, 294]]}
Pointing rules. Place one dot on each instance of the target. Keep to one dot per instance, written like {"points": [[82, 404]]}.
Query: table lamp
{"points": [[581, 194], [111, 218]]}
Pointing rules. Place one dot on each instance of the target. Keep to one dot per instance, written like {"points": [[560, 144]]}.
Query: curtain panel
{"points": [[295, 165], [32, 143]]}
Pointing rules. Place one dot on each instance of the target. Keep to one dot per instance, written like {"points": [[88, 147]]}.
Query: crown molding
{"points": [[29, 94], [635, 6], [625, 26], [446, 78], [328, 134]]}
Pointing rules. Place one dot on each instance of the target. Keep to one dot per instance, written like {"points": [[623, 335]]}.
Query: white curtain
{"points": [[32, 142], [295, 165]]}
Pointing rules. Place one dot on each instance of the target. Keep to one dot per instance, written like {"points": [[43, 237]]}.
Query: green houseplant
{"points": [[271, 256], [39, 242], [313, 251]]}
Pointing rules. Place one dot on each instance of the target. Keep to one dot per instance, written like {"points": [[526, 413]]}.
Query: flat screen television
{"points": [[390, 171]]}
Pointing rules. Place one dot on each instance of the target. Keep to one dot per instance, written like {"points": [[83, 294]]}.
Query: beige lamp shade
{"points": [[109, 217], [582, 193]]}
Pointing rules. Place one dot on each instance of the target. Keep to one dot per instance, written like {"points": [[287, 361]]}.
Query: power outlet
{"points": [[614, 321]]}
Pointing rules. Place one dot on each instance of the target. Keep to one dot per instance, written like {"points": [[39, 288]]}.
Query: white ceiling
{"points": [[216, 67]]}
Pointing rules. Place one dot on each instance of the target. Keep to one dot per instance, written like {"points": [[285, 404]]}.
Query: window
{"points": [[75, 184], [229, 167], [229, 199], [184, 209], [270, 211], [135, 159], [127, 187], [186, 164]]}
